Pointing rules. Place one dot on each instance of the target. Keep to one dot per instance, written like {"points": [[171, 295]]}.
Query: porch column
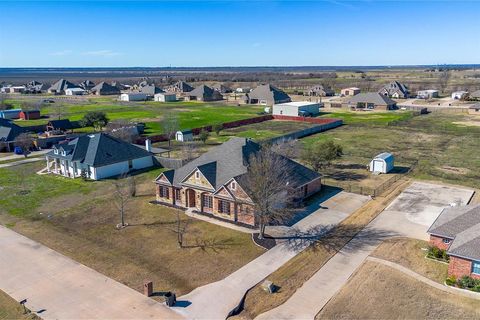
{"points": [[56, 166], [48, 165]]}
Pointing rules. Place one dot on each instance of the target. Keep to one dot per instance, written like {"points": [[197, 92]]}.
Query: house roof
{"points": [[393, 87], [62, 85], [61, 124], [475, 106], [475, 94], [99, 150], [371, 97], [203, 91], [384, 156], [321, 87], [221, 88], [105, 88], [230, 160], [467, 243], [9, 130], [267, 91], [150, 89], [182, 86], [87, 84], [454, 220]]}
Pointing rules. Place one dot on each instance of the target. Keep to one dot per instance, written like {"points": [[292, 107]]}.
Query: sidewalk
{"points": [[57, 287]]}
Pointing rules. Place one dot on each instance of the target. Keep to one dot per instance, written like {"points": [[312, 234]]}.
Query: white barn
{"points": [[165, 97], [137, 96], [382, 163], [185, 135], [74, 92], [97, 156], [296, 109]]}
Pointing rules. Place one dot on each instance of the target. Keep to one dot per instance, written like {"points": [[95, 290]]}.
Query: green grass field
{"points": [[190, 114]]}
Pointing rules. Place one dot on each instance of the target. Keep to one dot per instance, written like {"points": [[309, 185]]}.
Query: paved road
{"points": [[57, 287], [410, 215], [216, 300]]}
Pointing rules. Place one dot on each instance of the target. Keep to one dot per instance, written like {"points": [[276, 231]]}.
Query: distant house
{"points": [[266, 94], [203, 93], [474, 109], [104, 89], [296, 109], [395, 90], [185, 135], [243, 90], [475, 95], [34, 87], [8, 132], [133, 96], [59, 125], [427, 94], [15, 89], [180, 87], [121, 86], [214, 183], [60, 86], [97, 156], [10, 114], [30, 115], [87, 85], [350, 91], [459, 95], [457, 230], [221, 88], [150, 90], [165, 97], [371, 101], [74, 92], [320, 91], [382, 163]]}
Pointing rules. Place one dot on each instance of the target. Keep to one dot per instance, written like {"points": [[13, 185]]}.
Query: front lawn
{"points": [[11, 309]]}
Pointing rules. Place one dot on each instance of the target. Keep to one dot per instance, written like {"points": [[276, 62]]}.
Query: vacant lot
{"points": [[78, 219], [444, 149], [379, 292], [189, 114]]}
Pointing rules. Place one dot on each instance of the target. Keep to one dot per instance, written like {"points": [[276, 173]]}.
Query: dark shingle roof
{"points": [[105, 88], [61, 124], [371, 97], [230, 160], [99, 149], [62, 85], [269, 92], [9, 130], [475, 94], [204, 92], [150, 89]]}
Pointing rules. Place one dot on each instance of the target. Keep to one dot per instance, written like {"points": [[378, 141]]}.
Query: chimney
{"points": [[148, 145]]}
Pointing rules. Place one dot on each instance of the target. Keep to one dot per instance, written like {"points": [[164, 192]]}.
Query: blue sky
{"points": [[237, 33]]}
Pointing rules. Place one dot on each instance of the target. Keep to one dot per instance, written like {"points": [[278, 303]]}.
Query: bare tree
{"points": [[189, 150], [443, 80], [122, 195], [123, 130], [180, 228], [170, 126], [267, 183], [58, 110], [25, 142]]}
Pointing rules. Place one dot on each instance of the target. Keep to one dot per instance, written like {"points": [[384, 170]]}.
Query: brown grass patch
{"points": [[454, 170], [379, 292], [11, 309]]}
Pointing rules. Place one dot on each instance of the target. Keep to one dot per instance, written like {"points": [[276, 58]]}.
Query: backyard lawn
{"points": [[78, 219]]}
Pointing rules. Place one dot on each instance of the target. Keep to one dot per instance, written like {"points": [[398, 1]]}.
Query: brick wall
{"points": [[438, 242], [314, 187], [245, 214], [459, 267]]}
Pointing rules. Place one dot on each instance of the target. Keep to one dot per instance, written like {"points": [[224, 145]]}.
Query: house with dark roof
{"points": [[266, 94], [371, 101], [320, 91], [395, 90], [203, 93], [59, 125], [34, 87], [150, 90], [87, 85], [180, 87], [221, 88], [97, 156], [475, 95], [60, 86], [103, 89], [8, 132], [457, 230], [214, 183]]}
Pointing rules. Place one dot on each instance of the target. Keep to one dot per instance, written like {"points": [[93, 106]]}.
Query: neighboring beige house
{"points": [[371, 101], [350, 91]]}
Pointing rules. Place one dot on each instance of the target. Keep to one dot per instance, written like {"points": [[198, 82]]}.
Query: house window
{"points": [[234, 186], [476, 267], [55, 151], [197, 175], [178, 195], [446, 241], [164, 192], [223, 206], [130, 164], [207, 201]]}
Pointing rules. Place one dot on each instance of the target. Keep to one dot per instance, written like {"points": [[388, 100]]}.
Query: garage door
{"points": [[378, 166]]}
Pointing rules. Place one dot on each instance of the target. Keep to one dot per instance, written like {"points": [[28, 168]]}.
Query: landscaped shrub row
{"points": [[438, 254], [465, 282]]}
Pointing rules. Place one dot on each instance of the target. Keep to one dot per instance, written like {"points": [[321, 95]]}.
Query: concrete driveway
{"points": [[57, 287], [409, 215], [218, 299]]}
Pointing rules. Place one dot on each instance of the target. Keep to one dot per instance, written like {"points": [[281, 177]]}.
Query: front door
{"points": [[191, 198]]}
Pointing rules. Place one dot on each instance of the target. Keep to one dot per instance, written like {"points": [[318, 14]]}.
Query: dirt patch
{"points": [[379, 292], [472, 123], [454, 170]]}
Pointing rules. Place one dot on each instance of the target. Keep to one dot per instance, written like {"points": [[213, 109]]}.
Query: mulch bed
{"points": [[267, 242]]}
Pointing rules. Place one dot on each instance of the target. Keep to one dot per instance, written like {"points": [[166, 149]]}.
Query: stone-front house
{"points": [[395, 90], [457, 230], [212, 184]]}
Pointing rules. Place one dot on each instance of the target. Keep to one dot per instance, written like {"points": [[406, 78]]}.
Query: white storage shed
{"points": [[296, 109], [165, 97], [74, 92], [138, 96], [185, 135], [382, 163]]}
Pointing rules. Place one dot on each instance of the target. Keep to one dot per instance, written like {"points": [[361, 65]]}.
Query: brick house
{"points": [[457, 230], [212, 184]]}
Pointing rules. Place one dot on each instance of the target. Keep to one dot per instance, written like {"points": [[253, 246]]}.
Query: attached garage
{"points": [[383, 163]]}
